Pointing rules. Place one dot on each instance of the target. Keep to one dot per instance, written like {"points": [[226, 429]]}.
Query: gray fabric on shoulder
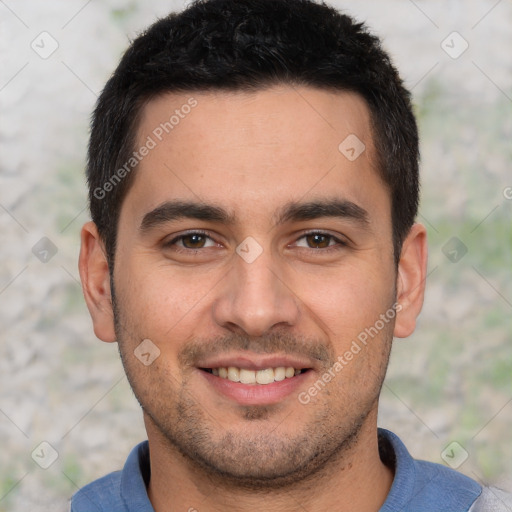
{"points": [[492, 499]]}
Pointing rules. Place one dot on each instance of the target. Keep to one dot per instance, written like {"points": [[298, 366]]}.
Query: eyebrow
{"points": [[341, 208], [292, 211], [174, 210]]}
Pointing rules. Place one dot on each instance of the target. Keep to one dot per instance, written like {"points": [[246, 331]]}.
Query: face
{"points": [[250, 244]]}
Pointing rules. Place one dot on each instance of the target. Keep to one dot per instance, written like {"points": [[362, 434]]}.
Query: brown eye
{"points": [[318, 241], [190, 243], [193, 241]]}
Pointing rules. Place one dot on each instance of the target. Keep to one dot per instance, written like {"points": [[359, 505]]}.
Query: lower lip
{"points": [[256, 394]]}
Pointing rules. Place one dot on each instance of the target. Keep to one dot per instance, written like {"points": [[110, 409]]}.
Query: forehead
{"points": [[238, 149]]}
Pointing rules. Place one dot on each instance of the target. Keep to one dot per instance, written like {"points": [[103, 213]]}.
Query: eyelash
{"points": [[340, 244]]}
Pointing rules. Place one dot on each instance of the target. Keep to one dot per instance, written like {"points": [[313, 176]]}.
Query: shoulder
{"points": [[120, 491], [101, 495], [450, 486], [421, 486]]}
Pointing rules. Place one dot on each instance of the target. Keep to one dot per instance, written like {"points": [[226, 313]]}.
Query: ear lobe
{"points": [[412, 271], [95, 277]]}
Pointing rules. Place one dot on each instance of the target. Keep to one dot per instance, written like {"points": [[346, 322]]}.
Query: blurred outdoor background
{"points": [[449, 389]]}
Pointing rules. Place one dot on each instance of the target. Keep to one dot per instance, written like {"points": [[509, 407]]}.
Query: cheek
{"points": [[348, 301], [159, 303], [358, 317]]}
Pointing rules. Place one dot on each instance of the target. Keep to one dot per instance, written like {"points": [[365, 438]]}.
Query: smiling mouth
{"points": [[265, 376]]}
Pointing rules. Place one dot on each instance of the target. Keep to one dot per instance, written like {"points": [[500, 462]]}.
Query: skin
{"points": [[251, 154]]}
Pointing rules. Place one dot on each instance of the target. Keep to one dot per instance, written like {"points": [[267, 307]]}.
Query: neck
{"points": [[355, 480]]}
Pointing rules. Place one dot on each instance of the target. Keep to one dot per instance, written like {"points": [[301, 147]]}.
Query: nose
{"points": [[255, 297]]}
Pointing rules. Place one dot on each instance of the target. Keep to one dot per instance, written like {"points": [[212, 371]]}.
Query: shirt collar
{"points": [[419, 485], [134, 480]]}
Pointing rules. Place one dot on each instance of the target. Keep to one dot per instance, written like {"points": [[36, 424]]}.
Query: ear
{"points": [[412, 272], [95, 277]]}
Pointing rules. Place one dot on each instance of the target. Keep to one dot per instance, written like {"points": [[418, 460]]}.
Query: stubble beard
{"points": [[256, 455]]}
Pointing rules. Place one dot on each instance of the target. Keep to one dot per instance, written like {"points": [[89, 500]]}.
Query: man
{"points": [[253, 184]]}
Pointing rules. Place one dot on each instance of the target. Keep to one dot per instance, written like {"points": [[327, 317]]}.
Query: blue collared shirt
{"points": [[418, 486]]}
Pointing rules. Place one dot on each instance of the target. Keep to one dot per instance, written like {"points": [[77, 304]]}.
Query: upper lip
{"points": [[251, 361]]}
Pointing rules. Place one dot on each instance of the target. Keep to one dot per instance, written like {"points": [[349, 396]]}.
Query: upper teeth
{"points": [[266, 376]]}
